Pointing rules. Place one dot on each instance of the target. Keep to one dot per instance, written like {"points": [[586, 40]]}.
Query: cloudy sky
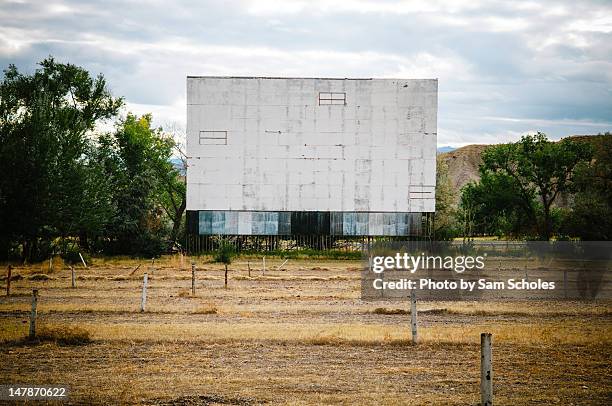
{"points": [[504, 67]]}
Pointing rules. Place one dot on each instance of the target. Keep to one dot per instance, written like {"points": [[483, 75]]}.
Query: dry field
{"points": [[299, 335]]}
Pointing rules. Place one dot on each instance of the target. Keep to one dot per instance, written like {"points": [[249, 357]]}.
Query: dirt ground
{"points": [[296, 335]]}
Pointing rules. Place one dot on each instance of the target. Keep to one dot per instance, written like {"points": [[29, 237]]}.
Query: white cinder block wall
{"points": [[271, 144]]}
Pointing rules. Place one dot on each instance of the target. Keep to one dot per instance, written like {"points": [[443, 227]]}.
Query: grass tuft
{"points": [[206, 309], [39, 277], [384, 310], [63, 335]]}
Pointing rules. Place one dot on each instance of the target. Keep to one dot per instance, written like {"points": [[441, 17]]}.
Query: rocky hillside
{"points": [[463, 165]]}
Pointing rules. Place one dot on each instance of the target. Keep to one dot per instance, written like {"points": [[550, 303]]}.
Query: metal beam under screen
{"points": [[310, 157]]}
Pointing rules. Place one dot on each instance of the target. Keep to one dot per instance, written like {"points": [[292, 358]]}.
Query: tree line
{"points": [[534, 189], [65, 186]]}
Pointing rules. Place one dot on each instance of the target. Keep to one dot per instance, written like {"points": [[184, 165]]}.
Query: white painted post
{"points": [[33, 314], [143, 300], [264, 266], [51, 264], [193, 279], [413, 315], [82, 260], [72, 276], [486, 370]]}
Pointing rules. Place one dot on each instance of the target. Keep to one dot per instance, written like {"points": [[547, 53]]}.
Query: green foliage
{"points": [[136, 167], [446, 226], [591, 214], [44, 121], [70, 250], [225, 251], [115, 193], [519, 184]]}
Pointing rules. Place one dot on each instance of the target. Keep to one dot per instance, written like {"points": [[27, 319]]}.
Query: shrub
{"points": [[225, 252]]}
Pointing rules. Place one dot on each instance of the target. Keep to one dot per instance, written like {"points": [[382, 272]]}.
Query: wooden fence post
{"points": [[8, 280], [73, 276], [565, 282], [193, 279], [143, 300], [33, 314], [486, 370], [264, 266], [249, 266], [413, 315]]}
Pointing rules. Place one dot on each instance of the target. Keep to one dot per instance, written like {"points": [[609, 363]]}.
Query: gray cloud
{"points": [[505, 68]]}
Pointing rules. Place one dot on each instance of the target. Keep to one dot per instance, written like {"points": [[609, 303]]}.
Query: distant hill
{"points": [[463, 162], [444, 149], [463, 165]]}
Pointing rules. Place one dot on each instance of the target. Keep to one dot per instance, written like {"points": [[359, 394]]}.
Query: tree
{"points": [[591, 211], [225, 253], [174, 187], [522, 180], [136, 160], [45, 119], [445, 224]]}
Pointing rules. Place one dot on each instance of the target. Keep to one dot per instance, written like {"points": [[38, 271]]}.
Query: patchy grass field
{"points": [[299, 335]]}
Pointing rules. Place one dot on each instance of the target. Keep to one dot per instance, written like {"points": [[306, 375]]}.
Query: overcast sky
{"points": [[504, 67]]}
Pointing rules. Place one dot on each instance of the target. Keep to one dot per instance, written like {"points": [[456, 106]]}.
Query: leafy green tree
{"points": [[136, 160], [45, 120], [520, 183], [591, 211]]}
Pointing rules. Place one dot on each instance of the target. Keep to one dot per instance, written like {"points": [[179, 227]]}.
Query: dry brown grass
{"points": [[39, 277], [279, 338], [63, 335], [206, 309], [384, 310]]}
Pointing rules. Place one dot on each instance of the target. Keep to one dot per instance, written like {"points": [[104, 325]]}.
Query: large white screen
{"points": [[272, 144]]}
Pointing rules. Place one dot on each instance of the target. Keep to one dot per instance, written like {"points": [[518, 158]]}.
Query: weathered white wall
{"points": [[286, 152]]}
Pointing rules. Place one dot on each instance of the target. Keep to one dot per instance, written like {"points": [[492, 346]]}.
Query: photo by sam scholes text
{"points": [[417, 267]]}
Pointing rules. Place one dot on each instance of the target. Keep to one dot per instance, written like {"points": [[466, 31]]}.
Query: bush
{"points": [[70, 255], [225, 252]]}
